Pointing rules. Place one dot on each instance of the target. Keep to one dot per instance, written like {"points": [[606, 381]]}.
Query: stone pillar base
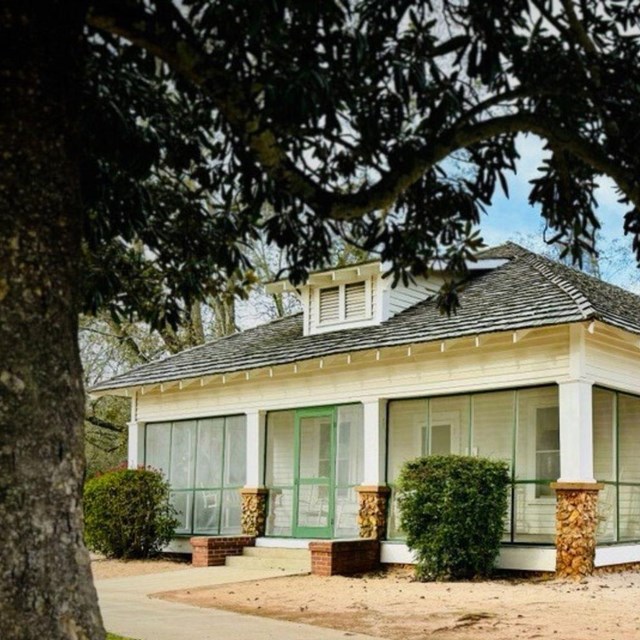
{"points": [[344, 557], [372, 511], [254, 510], [576, 522], [213, 551]]}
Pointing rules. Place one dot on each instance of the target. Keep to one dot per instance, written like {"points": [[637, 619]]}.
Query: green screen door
{"points": [[314, 488]]}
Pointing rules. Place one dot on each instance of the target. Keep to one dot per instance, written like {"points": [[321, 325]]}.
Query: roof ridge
{"points": [[583, 303]]}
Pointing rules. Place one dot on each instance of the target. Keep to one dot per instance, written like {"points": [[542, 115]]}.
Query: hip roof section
{"points": [[527, 291]]}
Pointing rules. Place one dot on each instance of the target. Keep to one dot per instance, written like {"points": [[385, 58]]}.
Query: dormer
{"points": [[352, 296], [359, 296]]}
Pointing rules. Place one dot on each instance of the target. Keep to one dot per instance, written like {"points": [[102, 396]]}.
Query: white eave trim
{"points": [[328, 277]]}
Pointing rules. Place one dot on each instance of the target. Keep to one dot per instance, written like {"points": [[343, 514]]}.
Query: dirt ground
{"points": [[391, 605]]}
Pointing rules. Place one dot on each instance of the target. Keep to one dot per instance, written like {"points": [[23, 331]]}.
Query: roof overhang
{"points": [[328, 276]]}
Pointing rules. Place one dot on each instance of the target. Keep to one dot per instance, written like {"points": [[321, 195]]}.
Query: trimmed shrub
{"points": [[453, 510], [127, 513]]}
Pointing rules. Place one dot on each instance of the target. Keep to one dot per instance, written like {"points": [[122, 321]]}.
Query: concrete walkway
{"points": [[128, 610]]}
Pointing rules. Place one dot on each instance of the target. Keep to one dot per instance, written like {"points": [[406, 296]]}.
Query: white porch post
{"points": [[576, 413], [135, 437], [375, 442], [373, 493], [576, 488], [576, 431], [135, 444], [256, 421], [254, 494]]}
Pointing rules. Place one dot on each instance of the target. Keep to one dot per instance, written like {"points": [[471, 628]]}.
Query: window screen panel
{"points": [[235, 452], [350, 445], [206, 517], [448, 426], [603, 434], [231, 512], [183, 443], [209, 453], [280, 449], [158, 447], [407, 421], [537, 439], [494, 425], [182, 501], [628, 438]]}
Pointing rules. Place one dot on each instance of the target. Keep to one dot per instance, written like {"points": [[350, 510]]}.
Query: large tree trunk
{"points": [[46, 591]]}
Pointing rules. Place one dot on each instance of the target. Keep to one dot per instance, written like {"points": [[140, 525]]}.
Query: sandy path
{"points": [[605, 607], [103, 568]]}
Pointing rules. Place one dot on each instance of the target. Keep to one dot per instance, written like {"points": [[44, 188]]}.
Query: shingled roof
{"points": [[527, 291]]}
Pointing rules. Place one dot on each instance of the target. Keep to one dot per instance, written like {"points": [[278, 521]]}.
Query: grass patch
{"points": [[113, 636]]}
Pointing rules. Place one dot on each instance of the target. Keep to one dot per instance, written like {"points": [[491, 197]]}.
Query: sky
{"points": [[514, 219]]}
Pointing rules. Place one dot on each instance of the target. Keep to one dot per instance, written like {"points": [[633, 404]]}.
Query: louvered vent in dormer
{"points": [[329, 304], [355, 300]]}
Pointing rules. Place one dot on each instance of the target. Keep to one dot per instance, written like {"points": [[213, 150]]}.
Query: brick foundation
{"points": [[213, 551], [344, 557], [576, 522]]}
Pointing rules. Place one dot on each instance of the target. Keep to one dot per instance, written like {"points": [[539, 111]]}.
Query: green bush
{"points": [[127, 513], [453, 510]]}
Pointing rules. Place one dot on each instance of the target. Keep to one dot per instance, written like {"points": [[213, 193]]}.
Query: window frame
{"points": [[193, 492], [342, 303]]}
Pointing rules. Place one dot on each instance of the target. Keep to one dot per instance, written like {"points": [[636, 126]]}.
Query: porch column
{"points": [[254, 494], [576, 431], [576, 489], [135, 444], [373, 493], [135, 437]]}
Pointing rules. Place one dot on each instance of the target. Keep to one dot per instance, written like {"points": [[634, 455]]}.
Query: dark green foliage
{"points": [[341, 119], [127, 513], [453, 510]]}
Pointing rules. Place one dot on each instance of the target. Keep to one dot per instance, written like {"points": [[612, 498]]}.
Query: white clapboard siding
{"points": [[541, 358], [613, 359], [402, 297]]}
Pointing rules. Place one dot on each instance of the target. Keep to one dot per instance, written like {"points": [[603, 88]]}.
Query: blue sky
{"points": [[514, 219]]}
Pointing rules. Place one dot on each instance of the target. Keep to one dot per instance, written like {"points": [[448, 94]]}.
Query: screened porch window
{"points": [[520, 427], [616, 461], [204, 461]]}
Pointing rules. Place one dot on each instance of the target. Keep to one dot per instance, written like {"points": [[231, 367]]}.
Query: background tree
{"points": [[141, 141]]}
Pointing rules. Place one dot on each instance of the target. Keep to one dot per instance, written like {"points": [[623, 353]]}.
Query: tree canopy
{"points": [[387, 123]]}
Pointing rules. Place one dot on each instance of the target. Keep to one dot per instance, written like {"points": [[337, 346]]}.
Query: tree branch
{"points": [[130, 20], [104, 424]]}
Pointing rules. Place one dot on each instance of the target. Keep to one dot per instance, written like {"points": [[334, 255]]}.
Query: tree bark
{"points": [[46, 591]]}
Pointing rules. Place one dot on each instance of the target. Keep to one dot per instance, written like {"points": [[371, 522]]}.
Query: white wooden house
{"points": [[296, 430]]}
